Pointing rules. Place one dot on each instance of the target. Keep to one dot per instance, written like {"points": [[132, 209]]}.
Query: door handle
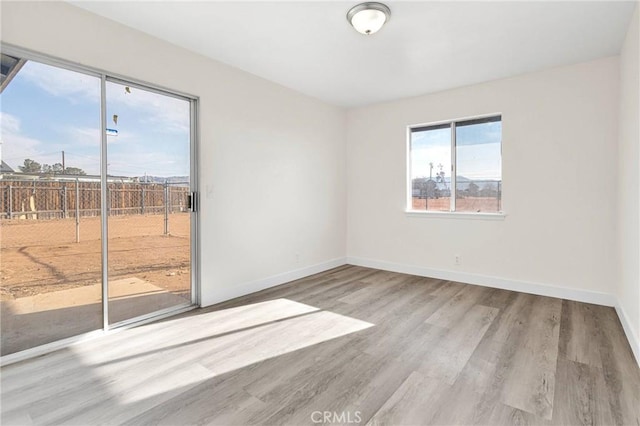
{"points": [[192, 202]]}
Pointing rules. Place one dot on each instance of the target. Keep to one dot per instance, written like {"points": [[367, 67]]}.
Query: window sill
{"points": [[456, 215]]}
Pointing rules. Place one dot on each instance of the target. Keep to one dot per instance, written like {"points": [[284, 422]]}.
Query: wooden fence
{"points": [[20, 199]]}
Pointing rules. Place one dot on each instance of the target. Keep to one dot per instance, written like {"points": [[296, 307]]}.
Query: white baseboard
{"points": [[578, 295], [232, 292], [629, 330]]}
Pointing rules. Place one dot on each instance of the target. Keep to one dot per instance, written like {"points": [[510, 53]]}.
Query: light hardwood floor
{"points": [[349, 345]]}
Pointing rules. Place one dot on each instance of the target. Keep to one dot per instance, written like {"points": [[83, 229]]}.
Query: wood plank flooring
{"points": [[349, 346]]}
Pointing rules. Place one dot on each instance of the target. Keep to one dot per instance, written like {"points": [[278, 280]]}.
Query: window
{"points": [[463, 158]]}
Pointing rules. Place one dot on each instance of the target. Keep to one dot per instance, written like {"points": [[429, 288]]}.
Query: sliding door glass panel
{"points": [[50, 248], [431, 168], [148, 174], [479, 165]]}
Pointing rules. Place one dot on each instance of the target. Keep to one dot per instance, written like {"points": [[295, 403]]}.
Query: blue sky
{"points": [[478, 151], [46, 110]]}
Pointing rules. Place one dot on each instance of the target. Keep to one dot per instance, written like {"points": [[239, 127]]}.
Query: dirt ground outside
{"points": [[42, 256], [468, 204]]}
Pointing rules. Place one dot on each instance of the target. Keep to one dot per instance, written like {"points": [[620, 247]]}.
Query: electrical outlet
{"points": [[458, 259], [297, 258]]}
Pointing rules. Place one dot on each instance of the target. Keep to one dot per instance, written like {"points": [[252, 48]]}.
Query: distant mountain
{"points": [[158, 179]]}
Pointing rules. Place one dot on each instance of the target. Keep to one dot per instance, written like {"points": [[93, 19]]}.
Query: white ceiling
{"points": [[426, 46]]}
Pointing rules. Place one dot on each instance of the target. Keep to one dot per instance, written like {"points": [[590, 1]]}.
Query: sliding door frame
{"points": [[106, 76], [104, 203], [193, 185]]}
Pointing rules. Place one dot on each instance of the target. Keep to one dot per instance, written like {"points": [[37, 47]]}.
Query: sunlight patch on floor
{"points": [[151, 361]]}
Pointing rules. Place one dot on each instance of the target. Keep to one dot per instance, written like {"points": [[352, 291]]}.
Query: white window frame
{"points": [[452, 213]]}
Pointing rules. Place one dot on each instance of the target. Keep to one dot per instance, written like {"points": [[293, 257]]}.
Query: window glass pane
{"points": [[431, 168], [148, 150], [479, 166], [50, 268]]}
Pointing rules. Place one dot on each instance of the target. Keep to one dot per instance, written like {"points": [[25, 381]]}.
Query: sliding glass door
{"points": [[148, 169], [96, 186]]}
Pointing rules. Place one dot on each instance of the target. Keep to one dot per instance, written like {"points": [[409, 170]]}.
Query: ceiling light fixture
{"points": [[368, 18]]}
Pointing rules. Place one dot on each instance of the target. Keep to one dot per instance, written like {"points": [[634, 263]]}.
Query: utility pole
{"points": [[62, 162], [426, 189]]}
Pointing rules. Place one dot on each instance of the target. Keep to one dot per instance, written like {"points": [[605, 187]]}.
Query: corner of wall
{"points": [[629, 331], [628, 205]]}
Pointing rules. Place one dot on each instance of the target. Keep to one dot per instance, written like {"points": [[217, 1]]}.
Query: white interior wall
{"points": [[629, 183], [559, 186], [272, 161], [287, 150]]}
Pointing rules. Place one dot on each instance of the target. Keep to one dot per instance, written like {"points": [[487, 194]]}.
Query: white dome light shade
{"points": [[368, 18]]}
